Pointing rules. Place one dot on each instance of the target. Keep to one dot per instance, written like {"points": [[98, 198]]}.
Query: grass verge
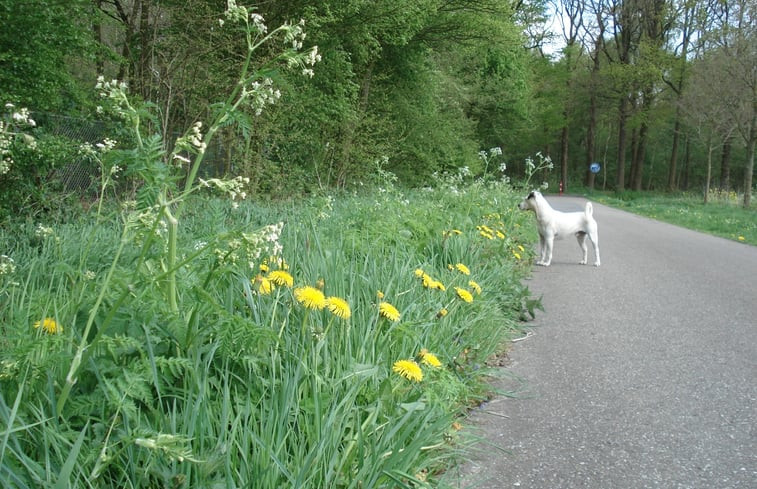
{"points": [[723, 216], [328, 342]]}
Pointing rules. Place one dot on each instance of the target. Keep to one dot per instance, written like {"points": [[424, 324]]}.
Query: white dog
{"points": [[555, 224]]}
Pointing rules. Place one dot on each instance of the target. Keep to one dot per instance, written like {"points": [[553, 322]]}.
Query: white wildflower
{"points": [[43, 231], [7, 265]]}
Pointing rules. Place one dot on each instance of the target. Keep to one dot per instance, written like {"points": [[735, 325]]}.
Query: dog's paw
{"points": [[596, 263], [582, 262]]}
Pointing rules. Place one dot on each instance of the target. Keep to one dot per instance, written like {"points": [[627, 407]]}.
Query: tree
{"points": [[704, 108], [36, 41], [734, 55]]}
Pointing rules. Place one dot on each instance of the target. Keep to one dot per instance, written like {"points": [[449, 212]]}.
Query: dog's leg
{"points": [[582, 243], [542, 250], [547, 255], [595, 243]]}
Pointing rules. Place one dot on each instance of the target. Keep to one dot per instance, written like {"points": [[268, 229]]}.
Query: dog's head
{"points": [[529, 203]]}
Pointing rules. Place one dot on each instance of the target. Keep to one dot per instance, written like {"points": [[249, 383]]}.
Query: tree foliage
{"points": [[412, 87]]}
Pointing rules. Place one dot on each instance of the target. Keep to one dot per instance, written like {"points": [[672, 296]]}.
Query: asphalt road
{"points": [[640, 374]]}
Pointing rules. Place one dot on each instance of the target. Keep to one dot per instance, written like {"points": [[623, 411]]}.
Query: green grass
{"points": [[238, 388], [721, 216]]}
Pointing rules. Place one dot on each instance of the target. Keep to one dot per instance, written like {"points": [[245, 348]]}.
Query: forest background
{"points": [[661, 93]]}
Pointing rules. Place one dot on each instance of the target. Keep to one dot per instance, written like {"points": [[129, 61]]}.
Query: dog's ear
{"points": [[531, 195]]}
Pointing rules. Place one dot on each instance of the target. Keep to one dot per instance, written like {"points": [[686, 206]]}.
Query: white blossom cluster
{"points": [[114, 91], [234, 12], [18, 119], [7, 265], [249, 247], [234, 188], [259, 23], [103, 147], [43, 232], [21, 117], [544, 163], [98, 150], [261, 94], [237, 13], [191, 142], [295, 34]]}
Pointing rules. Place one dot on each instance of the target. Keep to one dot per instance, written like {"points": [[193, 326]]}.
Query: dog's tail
{"points": [[589, 210]]}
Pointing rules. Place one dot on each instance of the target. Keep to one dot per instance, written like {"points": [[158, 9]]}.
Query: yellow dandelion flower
{"points": [[457, 231], [500, 235], [264, 285], [379, 294], [408, 369], [742, 238], [426, 280], [49, 326], [464, 294], [389, 311], [442, 312], [264, 268], [338, 307], [462, 269], [429, 359], [281, 278], [486, 235], [517, 255], [437, 285], [310, 297], [476, 288], [521, 248], [419, 273]]}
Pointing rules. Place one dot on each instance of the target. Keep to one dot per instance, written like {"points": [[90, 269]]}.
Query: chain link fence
{"points": [[78, 175]]}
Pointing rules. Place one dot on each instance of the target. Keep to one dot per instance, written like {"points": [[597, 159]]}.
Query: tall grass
{"points": [[243, 388]]}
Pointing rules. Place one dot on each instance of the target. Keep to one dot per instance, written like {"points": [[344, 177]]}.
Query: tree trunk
{"points": [[590, 140], [725, 167], [97, 30], [564, 157], [678, 88], [672, 169], [709, 172], [641, 147], [620, 179], [686, 165], [591, 133], [143, 69], [634, 156], [749, 171]]}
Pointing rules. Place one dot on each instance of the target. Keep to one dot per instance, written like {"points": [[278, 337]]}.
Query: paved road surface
{"points": [[641, 374]]}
